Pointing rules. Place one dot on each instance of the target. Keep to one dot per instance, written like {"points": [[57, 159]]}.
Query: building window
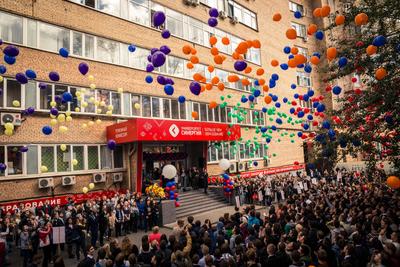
{"points": [[31, 33], [155, 107], [303, 51], [109, 6], [196, 32], [174, 109], [14, 160], [89, 46], [12, 91], [303, 79], [166, 108], [53, 38], [196, 108], [32, 166], [107, 50], [243, 15], [136, 106], [46, 96], [210, 113], [116, 102], [47, 156], [118, 157], [175, 23], [300, 29], [296, 7], [93, 157], [90, 3], [175, 66], [146, 106], [106, 157], [2, 159], [77, 43], [89, 97], [103, 98], [139, 58], [78, 155], [59, 90], [203, 112], [64, 159], [10, 28], [138, 11], [212, 154], [182, 111]]}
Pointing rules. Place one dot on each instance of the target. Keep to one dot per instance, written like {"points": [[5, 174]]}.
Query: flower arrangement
{"points": [[155, 191]]}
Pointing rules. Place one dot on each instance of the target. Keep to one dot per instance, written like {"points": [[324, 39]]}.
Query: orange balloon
{"points": [[210, 68], [189, 65], [331, 53], [225, 40], [261, 82], [195, 115], [256, 44], [214, 51], [300, 59], [312, 28], [193, 51], [248, 69], [371, 49], [339, 20], [215, 80], [260, 71], [361, 19], [292, 63], [221, 86], [202, 88], [245, 82], [325, 10], [380, 74], [294, 50], [249, 43], [209, 86], [267, 99], [317, 12], [314, 60], [393, 182], [233, 78], [186, 49], [218, 59], [242, 48], [277, 17], [265, 88], [197, 77], [213, 40], [291, 34], [235, 55], [194, 59], [274, 63], [212, 105]]}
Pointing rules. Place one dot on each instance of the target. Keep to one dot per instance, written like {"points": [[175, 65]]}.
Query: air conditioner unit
{"points": [[99, 177], [46, 182], [233, 168], [195, 2], [14, 118], [241, 166], [68, 180], [234, 20], [222, 14], [118, 177], [187, 2]]}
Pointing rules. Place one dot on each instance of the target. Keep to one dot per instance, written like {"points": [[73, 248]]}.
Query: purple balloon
{"points": [[158, 18], [30, 110], [213, 12], [169, 81], [161, 80], [195, 88], [11, 51], [165, 49], [212, 22], [3, 167], [149, 58], [149, 68], [42, 85], [54, 76], [54, 111], [21, 78], [83, 68], [158, 59], [153, 50], [57, 98], [111, 144], [165, 34], [240, 65], [23, 149]]}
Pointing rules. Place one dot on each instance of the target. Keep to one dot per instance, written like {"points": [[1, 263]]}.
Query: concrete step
{"points": [[197, 210], [197, 197], [204, 202]]}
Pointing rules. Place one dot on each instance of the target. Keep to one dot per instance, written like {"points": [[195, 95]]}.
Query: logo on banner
{"points": [[174, 130]]}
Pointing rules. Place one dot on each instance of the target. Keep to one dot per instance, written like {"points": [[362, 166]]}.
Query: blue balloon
{"points": [[336, 90], [306, 97], [300, 114], [310, 93], [300, 66], [379, 40], [292, 110], [251, 98], [273, 127], [284, 66], [257, 93], [299, 134], [67, 97], [166, 34], [3, 69], [255, 163], [272, 83], [316, 54], [319, 35], [296, 96], [278, 120], [342, 62], [277, 104], [320, 107], [225, 176], [263, 129], [315, 104], [21, 78], [290, 56], [307, 68], [132, 48], [293, 86], [274, 98], [326, 125], [310, 117], [181, 99], [244, 99], [297, 14], [306, 126], [31, 74], [264, 109], [54, 76], [331, 133], [275, 77], [169, 89], [47, 130], [149, 79], [256, 83], [9, 60], [286, 49], [285, 100], [11, 51], [63, 52]]}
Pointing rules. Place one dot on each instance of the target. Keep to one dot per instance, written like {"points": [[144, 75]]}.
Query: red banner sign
{"points": [[141, 129], [57, 200]]}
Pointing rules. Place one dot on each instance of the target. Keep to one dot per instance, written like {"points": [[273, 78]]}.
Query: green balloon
{"points": [[222, 98], [229, 96]]}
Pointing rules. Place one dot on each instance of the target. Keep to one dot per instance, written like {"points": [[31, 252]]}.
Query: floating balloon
{"points": [[319, 35], [331, 53], [11, 51], [21, 78], [91, 185], [165, 34], [169, 171], [361, 19], [181, 99], [212, 22], [9, 60], [67, 97], [339, 20], [224, 164], [3, 69], [342, 62], [85, 190], [149, 68], [380, 74], [63, 52], [379, 40], [149, 79], [195, 88], [54, 76], [240, 65], [47, 130], [3, 167], [393, 182], [297, 15], [291, 34], [158, 18], [31, 74], [169, 89], [213, 12], [42, 85], [277, 17], [371, 49], [111, 144], [158, 59], [165, 49], [83, 68], [131, 48]]}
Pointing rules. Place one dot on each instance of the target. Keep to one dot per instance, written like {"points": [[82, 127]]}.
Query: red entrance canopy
{"points": [[141, 129]]}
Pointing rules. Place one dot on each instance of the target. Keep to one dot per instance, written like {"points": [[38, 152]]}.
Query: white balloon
{"points": [[224, 164], [169, 171]]}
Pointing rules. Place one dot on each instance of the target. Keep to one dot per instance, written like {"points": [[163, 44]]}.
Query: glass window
{"points": [[175, 22], [139, 11], [196, 33], [196, 108], [116, 102], [46, 96], [175, 66], [138, 59], [226, 151], [13, 92], [47, 155], [32, 33], [93, 157], [2, 159], [59, 90], [155, 107], [223, 114], [216, 114], [300, 29], [203, 112], [106, 157], [232, 154], [219, 152], [30, 94], [174, 109], [64, 159], [118, 157], [77, 43], [32, 166], [146, 106], [78, 154], [228, 112], [296, 7], [213, 153], [107, 50], [109, 6], [210, 114], [166, 108], [14, 160], [136, 106], [53, 38], [75, 102], [103, 96], [127, 104], [89, 99], [182, 111], [89, 46], [10, 28], [90, 3]]}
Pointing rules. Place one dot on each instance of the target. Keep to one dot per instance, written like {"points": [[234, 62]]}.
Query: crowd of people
{"points": [[335, 220]]}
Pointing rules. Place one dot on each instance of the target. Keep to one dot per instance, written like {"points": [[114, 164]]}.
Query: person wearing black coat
{"points": [[89, 260], [72, 237], [93, 226], [103, 223]]}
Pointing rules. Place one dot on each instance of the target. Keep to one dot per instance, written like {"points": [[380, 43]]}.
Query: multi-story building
{"points": [[99, 32]]}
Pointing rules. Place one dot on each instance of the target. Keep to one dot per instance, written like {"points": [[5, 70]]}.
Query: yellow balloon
{"points": [[53, 104], [63, 147], [61, 118], [9, 126], [79, 98], [91, 78], [91, 99], [91, 185], [84, 104], [108, 112], [16, 103], [137, 106], [96, 103], [98, 121], [110, 107], [53, 122], [68, 113], [92, 86], [98, 111], [85, 190], [78, 93], [90, 123], [63, 129], [1, 78], [8, 132], [102, 103], [83, 90], [43, 168], [84, 125], [77, 109], [120, 90], [74, 162], [68, 118]]}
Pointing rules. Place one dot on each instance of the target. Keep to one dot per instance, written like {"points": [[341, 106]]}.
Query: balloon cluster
{"points": [[170, 189], [227, 185], [155, 191], [86, 189]]}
